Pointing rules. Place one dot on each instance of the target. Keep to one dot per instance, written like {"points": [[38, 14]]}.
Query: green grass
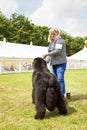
{"points": [[17, 111]]}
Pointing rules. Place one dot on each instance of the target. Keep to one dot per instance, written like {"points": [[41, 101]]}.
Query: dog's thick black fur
{"points": [[46, 91]]}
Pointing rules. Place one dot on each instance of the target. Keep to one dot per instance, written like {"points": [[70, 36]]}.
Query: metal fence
{"points": [[12, 65], [76, 64]]}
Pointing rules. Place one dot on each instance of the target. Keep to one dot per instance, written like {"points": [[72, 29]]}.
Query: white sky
{"points": [[67, 15]]}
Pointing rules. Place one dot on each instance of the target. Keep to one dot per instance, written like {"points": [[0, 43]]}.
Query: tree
{"points": [[4, 27], [21, 28], [40, 35], [73, 44]]}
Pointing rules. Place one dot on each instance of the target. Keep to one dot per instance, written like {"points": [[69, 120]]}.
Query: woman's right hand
{"points": [[44, 56]]}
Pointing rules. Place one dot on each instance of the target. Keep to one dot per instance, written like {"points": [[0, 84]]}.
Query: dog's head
{"points": [[39, 64]]}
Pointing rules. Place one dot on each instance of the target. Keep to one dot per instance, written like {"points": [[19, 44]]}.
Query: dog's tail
{"points": [[50, 99]]}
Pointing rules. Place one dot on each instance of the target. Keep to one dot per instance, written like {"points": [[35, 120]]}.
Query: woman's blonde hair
{"points": [[50, 32], [86, 43]]}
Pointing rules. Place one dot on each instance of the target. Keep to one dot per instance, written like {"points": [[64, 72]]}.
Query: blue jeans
{"points": [[58, 71]]}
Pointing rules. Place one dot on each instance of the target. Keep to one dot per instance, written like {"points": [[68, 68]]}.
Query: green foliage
{"points": [[4, 27], [20, 29], [17, 111], [40, 35], [73, 45]]}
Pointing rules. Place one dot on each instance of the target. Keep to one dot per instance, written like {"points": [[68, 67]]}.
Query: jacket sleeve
{"points": [[57, 50]]}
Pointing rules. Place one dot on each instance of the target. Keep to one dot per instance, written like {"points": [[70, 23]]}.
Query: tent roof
{"points": [[81, 55], [21, 50]]}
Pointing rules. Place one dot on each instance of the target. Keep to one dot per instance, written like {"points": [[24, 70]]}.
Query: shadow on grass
{"points": [[74, 98], [71, 110], [55, 113], [78, 97]]}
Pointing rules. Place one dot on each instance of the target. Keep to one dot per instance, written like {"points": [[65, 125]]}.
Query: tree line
{"points": [[20, 29]]}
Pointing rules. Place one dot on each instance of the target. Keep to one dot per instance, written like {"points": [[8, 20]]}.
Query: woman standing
{"points": [[57, 55]]}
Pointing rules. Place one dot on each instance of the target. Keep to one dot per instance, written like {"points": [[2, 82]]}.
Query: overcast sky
{"points": [[67, 15]]}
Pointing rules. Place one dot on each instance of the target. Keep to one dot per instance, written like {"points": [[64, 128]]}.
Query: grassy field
{"points": [[17, 111]]}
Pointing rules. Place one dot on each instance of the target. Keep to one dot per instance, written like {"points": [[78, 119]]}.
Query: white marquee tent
{"points": [[81, 55], [14, 50], [78, 60], [20, 50], [18, 57]]}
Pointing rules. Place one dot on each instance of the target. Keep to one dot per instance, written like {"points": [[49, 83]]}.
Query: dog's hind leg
{"points": [[61, 105], [40, 100]]}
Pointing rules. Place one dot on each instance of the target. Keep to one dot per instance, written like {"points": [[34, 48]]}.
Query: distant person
{"points": [[57, 56], [85, 44]]}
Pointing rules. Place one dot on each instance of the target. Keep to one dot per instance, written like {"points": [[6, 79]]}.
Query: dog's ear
{"points": [[44, 62], [39, 60], [39, 63]]}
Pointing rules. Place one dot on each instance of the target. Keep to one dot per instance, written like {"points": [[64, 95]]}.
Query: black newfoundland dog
{"points": [[46, 91]]}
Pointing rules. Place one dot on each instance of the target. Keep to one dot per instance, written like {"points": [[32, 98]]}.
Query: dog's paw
{"points": [[38, 117], [33, 102], [63, 112]]}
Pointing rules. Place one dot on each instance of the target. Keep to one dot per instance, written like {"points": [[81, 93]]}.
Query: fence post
{"points": [[19, 65]]}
